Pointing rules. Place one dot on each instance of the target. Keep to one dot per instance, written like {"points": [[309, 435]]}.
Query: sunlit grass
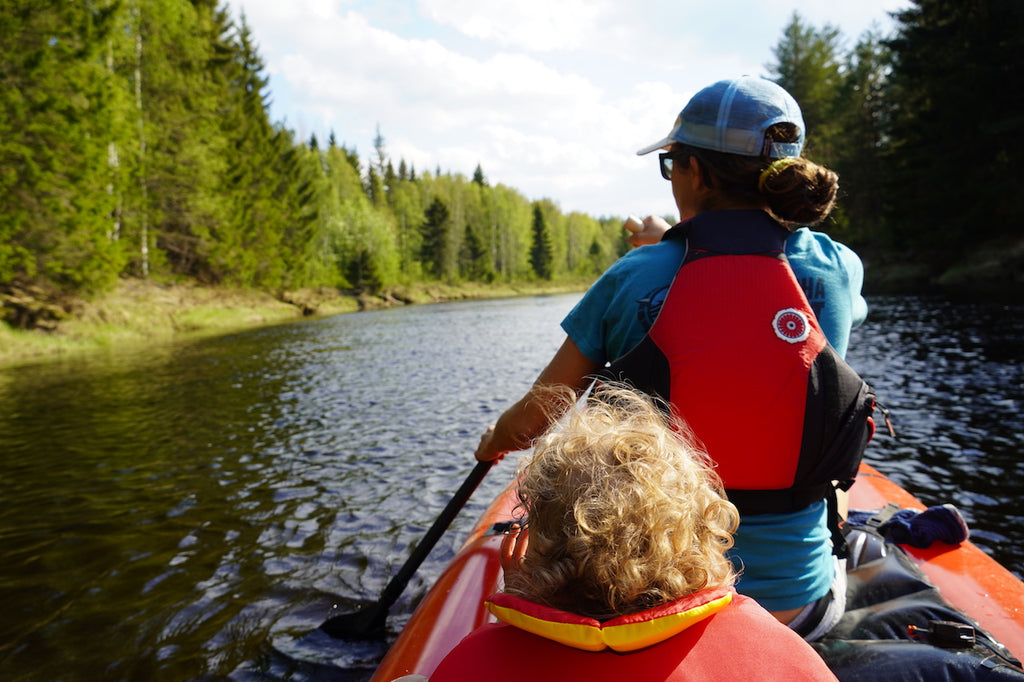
{"points": [[26, 346], [138, 312]]}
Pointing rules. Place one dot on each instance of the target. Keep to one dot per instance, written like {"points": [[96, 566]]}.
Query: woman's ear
{"points": [[697, 174]]}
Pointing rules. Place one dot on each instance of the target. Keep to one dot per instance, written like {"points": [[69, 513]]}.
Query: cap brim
{"points": [[662, 144]]}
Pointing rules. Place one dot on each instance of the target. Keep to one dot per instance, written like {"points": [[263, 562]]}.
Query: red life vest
{"points": [[712, 635], [738, 353]]}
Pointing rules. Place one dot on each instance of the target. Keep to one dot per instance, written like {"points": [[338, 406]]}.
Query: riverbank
{"points": [[137, 312], [991, 270]]}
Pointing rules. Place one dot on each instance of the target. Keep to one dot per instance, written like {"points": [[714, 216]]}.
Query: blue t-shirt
{"points": [[622, 304], [785, 559]]}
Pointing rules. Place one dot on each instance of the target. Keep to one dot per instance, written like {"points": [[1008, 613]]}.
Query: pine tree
{"points": [[247, 249], [59, 112], [864, 115], [846, 110], [474, 260], [478, 176], [808, 66], [380, 146], [542, 251], [435, 231], [958, 141], [390, 179], [375, 187], [301, 255], [181, 154]]}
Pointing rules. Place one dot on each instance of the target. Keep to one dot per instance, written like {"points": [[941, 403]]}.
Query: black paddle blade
{"points": [[366, 623]]}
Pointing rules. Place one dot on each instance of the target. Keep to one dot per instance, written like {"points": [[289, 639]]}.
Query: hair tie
{"points": [[773, 167]]}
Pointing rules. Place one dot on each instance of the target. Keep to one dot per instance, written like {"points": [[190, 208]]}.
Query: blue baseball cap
{"points": [[732, 116]]}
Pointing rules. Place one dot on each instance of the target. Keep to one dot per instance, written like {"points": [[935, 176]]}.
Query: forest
{"points": [[136, 142]]}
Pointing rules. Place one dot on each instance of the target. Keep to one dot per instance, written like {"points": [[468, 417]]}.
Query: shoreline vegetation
{"points": [[142, 178], [137, 311]]}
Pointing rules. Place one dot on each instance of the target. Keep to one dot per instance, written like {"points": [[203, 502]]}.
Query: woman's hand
{"points": [[483, 450], [528, 417], [647, 231]]}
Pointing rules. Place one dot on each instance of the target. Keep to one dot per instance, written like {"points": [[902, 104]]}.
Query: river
{"points": [[193, 510]]}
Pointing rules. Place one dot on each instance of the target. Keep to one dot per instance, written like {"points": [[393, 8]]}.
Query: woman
{"points": [[733, 160], [624, 574]]}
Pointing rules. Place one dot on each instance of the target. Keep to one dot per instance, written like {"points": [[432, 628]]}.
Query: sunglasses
{"points": [[667, 160]]}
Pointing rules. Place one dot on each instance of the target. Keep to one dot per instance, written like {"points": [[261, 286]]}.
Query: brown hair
{"points": [[798, 193]]}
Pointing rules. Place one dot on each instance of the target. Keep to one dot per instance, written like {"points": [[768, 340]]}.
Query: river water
{"points": [[194, 510]]}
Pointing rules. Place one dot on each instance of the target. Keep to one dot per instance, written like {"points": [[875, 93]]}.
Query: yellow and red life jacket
{"points": [[711, 635]]}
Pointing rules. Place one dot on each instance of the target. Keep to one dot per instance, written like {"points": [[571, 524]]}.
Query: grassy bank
{"points": [[136, 312]]}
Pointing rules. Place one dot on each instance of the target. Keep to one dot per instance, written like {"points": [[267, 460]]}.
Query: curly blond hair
{"points": [[624, 510]]}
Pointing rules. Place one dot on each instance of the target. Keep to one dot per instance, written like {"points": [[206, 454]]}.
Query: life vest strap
{"points": [[783, 501]]}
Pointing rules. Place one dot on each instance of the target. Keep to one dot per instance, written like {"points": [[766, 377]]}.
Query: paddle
{"points": [[369, 621]]}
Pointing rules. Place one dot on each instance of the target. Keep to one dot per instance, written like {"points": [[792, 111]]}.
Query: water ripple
{"points": [[205, 505]]}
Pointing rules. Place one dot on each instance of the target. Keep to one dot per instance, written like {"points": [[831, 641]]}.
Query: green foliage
{"points": [[474, 263], [375, 187], [863, 116], [436, 228], [808, 66], [592, 246], [924, 127], [542, 252], [58, 114], [135, 140], [478, 176], [181, 147], [958, 133]]}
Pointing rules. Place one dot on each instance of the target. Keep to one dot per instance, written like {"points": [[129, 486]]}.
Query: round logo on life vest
{"points": [[791, 325]]}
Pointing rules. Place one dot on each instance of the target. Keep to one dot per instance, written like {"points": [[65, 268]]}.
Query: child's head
{"points": [[625, 512]]}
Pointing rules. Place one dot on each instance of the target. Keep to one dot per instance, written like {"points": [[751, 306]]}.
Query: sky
{"points": [[549, 97]]}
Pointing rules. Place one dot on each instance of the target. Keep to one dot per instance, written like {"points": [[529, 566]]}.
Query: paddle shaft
{"points": [[370, 621], [398, 583]]}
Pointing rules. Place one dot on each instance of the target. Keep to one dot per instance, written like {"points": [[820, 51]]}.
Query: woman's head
{"points": [[625, 512], [734, 116], [738, 130]]}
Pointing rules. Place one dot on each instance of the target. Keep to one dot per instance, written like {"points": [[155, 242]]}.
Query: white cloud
{"points": [[361, 66], [535, 25], [552, 98]]}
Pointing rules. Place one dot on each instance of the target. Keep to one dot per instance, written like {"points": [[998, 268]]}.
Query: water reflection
{"points": [[196, 509], [199, 504], [954, 377]]}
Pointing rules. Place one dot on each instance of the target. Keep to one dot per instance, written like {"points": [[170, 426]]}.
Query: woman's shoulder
{"points": [[806, 242], [662, 254]]}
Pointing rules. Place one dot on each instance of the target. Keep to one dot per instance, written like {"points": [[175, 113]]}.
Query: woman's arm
{"points": [[528, 418]]}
